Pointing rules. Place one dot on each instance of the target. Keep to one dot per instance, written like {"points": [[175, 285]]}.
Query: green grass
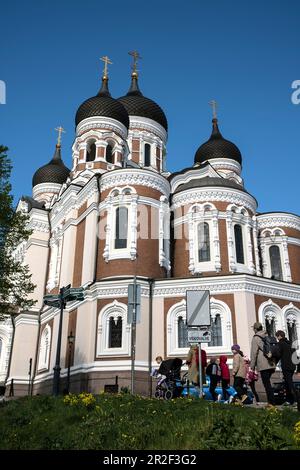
{"points": [[127, 422]]}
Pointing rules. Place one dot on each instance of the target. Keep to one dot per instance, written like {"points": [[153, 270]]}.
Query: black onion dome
{"points": [[217, 147], [54, 172], [138, 105], [102, 105]]}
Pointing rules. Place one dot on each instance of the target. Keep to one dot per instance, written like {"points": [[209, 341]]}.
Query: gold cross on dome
{"points": [[106, 61], [214, 106], [135, 56], [60, 130]]}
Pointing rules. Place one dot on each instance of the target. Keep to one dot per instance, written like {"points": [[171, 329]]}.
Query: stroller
{"points": [[169, 383]]}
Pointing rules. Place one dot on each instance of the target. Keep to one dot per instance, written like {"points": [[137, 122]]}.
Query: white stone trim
{"points": [[228, 285], [45, 348], [135, 177], [99, 122], [145, 124], [44, 189], [269, 310], [114, 309], [277, 219], [112, 204], [26, 319], [194, 219], [179, 310], [191, 196], [282, 243], [164, 233], [6, 331]]}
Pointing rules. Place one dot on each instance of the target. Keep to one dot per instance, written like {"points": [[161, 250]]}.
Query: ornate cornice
{"points": [[229, 285], [276, 219], [148, 125], [135, 178], [45, 188], [101, 123], [190, 196]]}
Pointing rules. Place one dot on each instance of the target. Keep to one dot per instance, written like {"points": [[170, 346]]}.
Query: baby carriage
{"points": [[169, 384]]}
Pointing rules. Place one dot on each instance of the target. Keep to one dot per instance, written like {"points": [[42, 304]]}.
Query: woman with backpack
{"points": [[261, 359]]}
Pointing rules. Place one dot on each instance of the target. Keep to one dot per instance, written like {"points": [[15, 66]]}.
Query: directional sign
{"points": [[197, 308], [199, 336], [134, 301], [75, 294]]}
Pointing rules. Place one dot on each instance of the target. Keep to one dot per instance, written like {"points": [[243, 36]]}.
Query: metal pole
{"points": [[69, 368], [56, 375], [200, 372], [29, 374], [133, 335]]}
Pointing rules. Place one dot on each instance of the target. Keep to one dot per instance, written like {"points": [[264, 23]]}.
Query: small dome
{"points": [[217, 147], [54, 172], [138, 105], [102, 105]]}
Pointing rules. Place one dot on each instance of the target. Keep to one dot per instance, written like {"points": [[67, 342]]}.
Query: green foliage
{"points": [[129, 422], [15, 279]]}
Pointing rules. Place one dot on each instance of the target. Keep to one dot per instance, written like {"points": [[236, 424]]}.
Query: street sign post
{"points": [[198, 315], [199, 336], [197, 308], [133, 317], [66, 294]]}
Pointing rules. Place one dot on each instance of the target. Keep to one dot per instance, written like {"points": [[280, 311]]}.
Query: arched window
{"points": [[276, 269], [182, 333], [270, 326], [239, 248], [203, 242], [121, 227], [292, 331], [45, 348], [109, 154], [216, 331], [91, 152], [147, 155], [115, 332]]}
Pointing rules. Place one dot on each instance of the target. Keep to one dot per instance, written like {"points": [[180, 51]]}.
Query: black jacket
{"points": [[283, 352]]}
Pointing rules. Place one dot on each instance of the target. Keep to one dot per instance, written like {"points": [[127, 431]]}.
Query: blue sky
{"points": [[244, 54]]}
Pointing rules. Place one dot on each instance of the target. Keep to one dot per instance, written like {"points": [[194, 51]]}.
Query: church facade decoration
{"points": [[119, 214]]}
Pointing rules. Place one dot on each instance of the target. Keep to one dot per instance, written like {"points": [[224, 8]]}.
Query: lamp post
{"points": [[71, 340], [66, 294]]}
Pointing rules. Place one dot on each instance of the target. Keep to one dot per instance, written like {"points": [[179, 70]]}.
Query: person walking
{"points": [[225, 376], [238, 372], [193, 362], [263, 364], [213, 372], [283, 353], [251, 378]]}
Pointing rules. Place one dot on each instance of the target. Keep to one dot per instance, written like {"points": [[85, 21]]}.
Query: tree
{"points": [[15, 279]]}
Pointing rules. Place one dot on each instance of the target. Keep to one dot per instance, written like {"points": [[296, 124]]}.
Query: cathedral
{"points": [[117, 215]]}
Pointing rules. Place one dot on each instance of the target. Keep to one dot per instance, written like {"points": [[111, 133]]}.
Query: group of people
{"points": [[265, 354]]}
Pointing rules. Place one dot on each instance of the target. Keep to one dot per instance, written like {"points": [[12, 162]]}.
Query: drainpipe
{"points": [[151, 282], [39, 319], [97, 241], [11, 348]]}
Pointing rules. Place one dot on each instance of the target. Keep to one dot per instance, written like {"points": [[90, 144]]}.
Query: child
{"points": [[225, 376], [251, 378], [213, 372], [155, 373]]}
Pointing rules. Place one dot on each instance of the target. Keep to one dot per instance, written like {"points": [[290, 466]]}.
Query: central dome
{"points": [[138, 105], [217, 147], [102, 105]]}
